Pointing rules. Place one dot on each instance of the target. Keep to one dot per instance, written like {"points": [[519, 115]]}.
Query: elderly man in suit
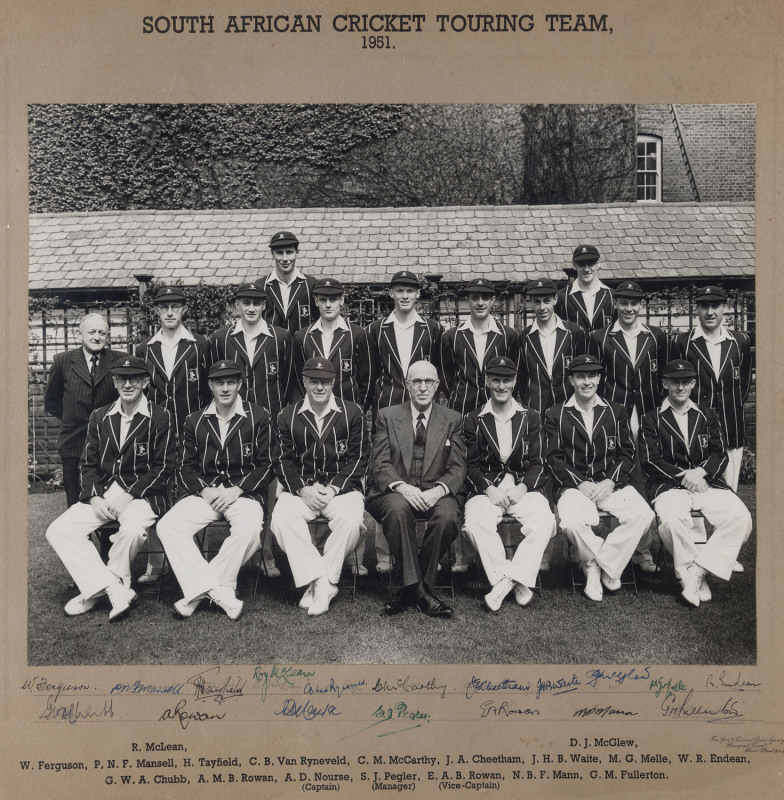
{"points": [[128, 460], [683, 456], [418, 470], [587, 301], [224, 472], [506, 475], [80, 382], [591, 455], [324, 453]]}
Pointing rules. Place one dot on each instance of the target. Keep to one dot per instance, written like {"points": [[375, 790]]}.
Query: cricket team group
{"points": [[586, 410]]}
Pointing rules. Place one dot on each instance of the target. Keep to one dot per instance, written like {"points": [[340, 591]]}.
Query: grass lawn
{"points": [[655, 627]]}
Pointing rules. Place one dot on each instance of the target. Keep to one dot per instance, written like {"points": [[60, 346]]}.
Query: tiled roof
{"points": [[105, 250]]}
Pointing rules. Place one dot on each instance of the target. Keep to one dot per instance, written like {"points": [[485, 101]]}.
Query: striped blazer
{"points": [[338, 456], [143, 466], [525, 462], [574, 457], [570, 307], [245, 459], [538, 389], [390, 388], [350, 354], [664, 453], [463, 375], [633, 385], [726, 393], [186, 389], [302, 309], [71, 395], [267, 378]]}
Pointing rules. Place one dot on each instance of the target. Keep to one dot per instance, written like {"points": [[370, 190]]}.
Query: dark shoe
{"points": [[433, 606], [397, 604]]}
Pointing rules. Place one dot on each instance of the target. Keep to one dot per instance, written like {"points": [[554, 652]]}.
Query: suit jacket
{"points": [[186, 389], [393, 449], [349, 353], [338, 456], [664, 452], [525, 462], [302, 309], [571, 308], [390, 386], [463, 375], [538, 388], [726, 393], [143, 466], [267, 378], [71, 395], [574, 457], [245, 459], [631, 384]]}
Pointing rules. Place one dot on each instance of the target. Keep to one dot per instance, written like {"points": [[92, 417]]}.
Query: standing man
{"points": [[178, 361], [127, 462], [587, 301], [418, 472], [290, 301], [683, 455], [591, 455], [80, 382], [224, 473], [324, 453], [506, 475]]}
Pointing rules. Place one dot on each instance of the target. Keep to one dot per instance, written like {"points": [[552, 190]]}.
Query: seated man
{"points": [[126, 464], [683, 456], [591, 455], [418, 471], [324, 453], [506, 475], [224, 473]]}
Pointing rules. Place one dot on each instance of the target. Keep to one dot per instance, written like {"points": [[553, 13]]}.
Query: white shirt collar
{"points": [[212, 409], [575, 287], [263, 328], [572, 402], [181, 333], [143, 408], [558, 324], [514, 407], [395, 321], [638, 328], [331, 406], [698, 333], [415, 412], [296, 275], [492, 325], [666, 404], [340, 323]]}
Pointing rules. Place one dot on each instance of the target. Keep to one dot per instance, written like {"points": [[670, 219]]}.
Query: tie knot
{"points": [[421, 417]]}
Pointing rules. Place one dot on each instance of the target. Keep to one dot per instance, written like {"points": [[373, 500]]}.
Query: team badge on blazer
{"points": [[272, 368], [193, 374], [654, 365], [247, 450], [736, 373], [140, 448], [304, 311], [703, 437], [567, 361], [611, 443], [341, 447], [345, 364]]}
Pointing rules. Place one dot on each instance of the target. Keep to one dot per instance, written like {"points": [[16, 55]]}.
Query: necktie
{"points": [[93, 366], [419, 434]]}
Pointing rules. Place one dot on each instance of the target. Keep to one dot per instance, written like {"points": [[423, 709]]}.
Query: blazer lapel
{"points": [[329, 424], [263, 343], [419, 332], [404, 431], [337, 340], [273, 291], [156, 355], [182, 351], [726, 349], [137, 423], [517, 431], [487, 421], [536, 345], [582, 311], [577, 422], [234, 425], [80, 367], [388, 332], [598, 414], [434, 441], [470, 346], [214, 431], [113, 421], [619, 342], [668, 419]]}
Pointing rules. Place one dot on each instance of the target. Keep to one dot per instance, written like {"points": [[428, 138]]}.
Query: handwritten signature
{"points": [[618, 676], [603, 711], [185, 717], [208, 686], [73, 712], [476, 685], [400, 712], [307, 710], [279, 676], [490, 709], [407, 685], [723, 681], [726, 711], [332, 687]]}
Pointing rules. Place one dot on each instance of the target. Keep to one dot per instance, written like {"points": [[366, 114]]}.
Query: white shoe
{"points": [[737, 567], [121, 598], [459, 568], [226, 599], [496, 595], [611, 584], [185, 608], [271, 570], [383, 566], [323, 592], [80, 605], [704, 591], [360, 570], [691, 581], [644, 561], [306, 601], [154, 572], [523, 595], [593, 583]]}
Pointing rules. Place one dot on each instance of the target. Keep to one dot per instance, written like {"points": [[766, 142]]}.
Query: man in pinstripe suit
{"points": [[587, 302], [127, 462], [683, 455], [178, 362], [224, 472], [506, 475], [324, 453], [591, 455], [79, 382]]}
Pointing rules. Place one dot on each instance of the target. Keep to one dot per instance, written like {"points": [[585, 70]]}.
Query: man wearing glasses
{"points": [[418, 471]]}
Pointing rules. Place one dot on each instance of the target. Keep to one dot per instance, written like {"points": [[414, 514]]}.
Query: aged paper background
{"points": [[666, 51]]}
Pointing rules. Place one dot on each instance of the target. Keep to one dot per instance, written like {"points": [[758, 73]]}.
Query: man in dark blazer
{"points": [[418, 470], [290, 301], [683, 456], [324, 452], [587, 301], [590, 453], [225, 468], [507, 475], [128, 460], [79, 382]]}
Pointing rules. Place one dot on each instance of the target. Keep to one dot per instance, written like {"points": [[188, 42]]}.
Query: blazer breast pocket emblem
{"points": [[736, 373], [654, 365], [140, 448], [341, 447], [304, 311], [272, 368], [193, 374], [345, 364], [247, 450], [703, 437], [611, 442]]}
